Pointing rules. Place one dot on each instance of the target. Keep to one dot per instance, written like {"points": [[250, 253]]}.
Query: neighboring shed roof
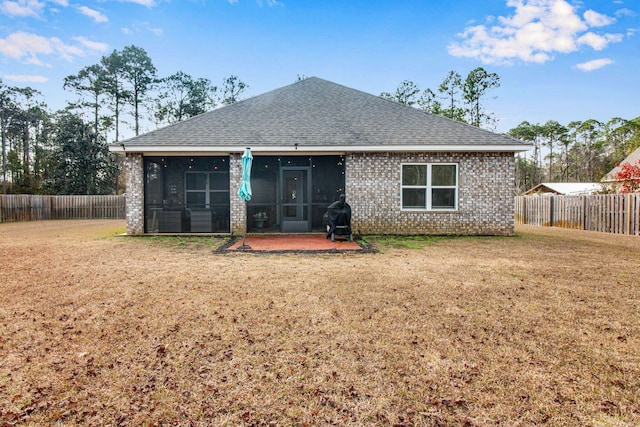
{"points": [[318, 115], [565, 188], [632, 158]]}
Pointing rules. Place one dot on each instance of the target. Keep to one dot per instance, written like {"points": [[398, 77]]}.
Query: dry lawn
{"points": [[541, 328]]}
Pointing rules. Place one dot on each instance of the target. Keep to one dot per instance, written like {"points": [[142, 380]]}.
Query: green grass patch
{"points": [[408, 242], [186, 242], [381, 242], [108, 233]]}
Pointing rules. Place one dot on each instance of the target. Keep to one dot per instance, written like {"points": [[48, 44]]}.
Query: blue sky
{"points": [[558, 59]]}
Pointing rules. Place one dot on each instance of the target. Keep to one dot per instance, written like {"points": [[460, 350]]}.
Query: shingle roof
{"points": [[316, 113]]}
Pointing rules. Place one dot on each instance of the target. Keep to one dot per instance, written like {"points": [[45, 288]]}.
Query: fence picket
{"points": [[610, 213], [25, 207]]}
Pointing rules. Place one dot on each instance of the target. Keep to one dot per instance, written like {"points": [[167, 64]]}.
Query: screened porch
{"points": [[194, 194]]}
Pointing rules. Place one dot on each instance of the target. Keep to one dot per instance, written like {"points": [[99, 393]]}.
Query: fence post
{"points": [[585, 215], [627, 211]]}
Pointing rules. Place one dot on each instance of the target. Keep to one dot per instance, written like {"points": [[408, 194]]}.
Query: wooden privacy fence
{"points": [[27, 207], [609, 213]]}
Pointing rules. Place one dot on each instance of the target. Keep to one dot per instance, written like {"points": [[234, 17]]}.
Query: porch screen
{"points": [[187, 194]]}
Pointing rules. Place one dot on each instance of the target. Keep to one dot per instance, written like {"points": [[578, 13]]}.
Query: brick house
{"points": [[403, 171]]}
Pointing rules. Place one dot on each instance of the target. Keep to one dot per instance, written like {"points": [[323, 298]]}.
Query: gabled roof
{"points": [[566, 188], [632, 158], [315, 115]]}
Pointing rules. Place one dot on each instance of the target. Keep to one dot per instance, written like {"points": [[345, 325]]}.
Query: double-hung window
{"points": [[430, 186]]}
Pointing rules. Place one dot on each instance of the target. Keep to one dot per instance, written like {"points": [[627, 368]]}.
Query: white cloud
{"points": [[261, 3], [625, 12], [536, 31], [142, 27], [29, 47], [25, 46], [270, 3], [148, 3], [22, 8], [595, 19], [18, 78], [594, 65], [96, 46], [65, 51], [93, 14], [28, 8], [153, 30], [598, 42]]}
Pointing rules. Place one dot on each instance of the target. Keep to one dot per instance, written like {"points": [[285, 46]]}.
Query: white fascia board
{"points": [[288, 149]]}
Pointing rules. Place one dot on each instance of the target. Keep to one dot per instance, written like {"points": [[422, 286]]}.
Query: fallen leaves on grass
{"points": [[538, 329]]}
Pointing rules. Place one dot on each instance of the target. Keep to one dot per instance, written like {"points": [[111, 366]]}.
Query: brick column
{"points": [[134, 171], [238, 215]]}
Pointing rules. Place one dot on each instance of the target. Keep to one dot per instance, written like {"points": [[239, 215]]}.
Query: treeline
{"points": [[580, 151], [65, 152], [455, 98]]}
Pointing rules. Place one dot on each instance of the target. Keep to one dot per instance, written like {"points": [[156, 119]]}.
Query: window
{"points": [[430, 186], [207, 189]]}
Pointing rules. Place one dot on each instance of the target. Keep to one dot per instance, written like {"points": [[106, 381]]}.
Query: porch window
{"points": [[207, 189], [430, 186], [187, 194]]}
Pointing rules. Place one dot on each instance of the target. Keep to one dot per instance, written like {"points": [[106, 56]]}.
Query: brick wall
{"points": [[238, 223], [485, 194], [134, 172]]}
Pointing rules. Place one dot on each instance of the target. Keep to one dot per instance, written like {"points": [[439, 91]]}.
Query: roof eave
{"points": [[325, 149]]}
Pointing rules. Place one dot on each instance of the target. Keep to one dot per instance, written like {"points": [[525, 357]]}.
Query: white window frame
{"points": [[428, 187]]}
